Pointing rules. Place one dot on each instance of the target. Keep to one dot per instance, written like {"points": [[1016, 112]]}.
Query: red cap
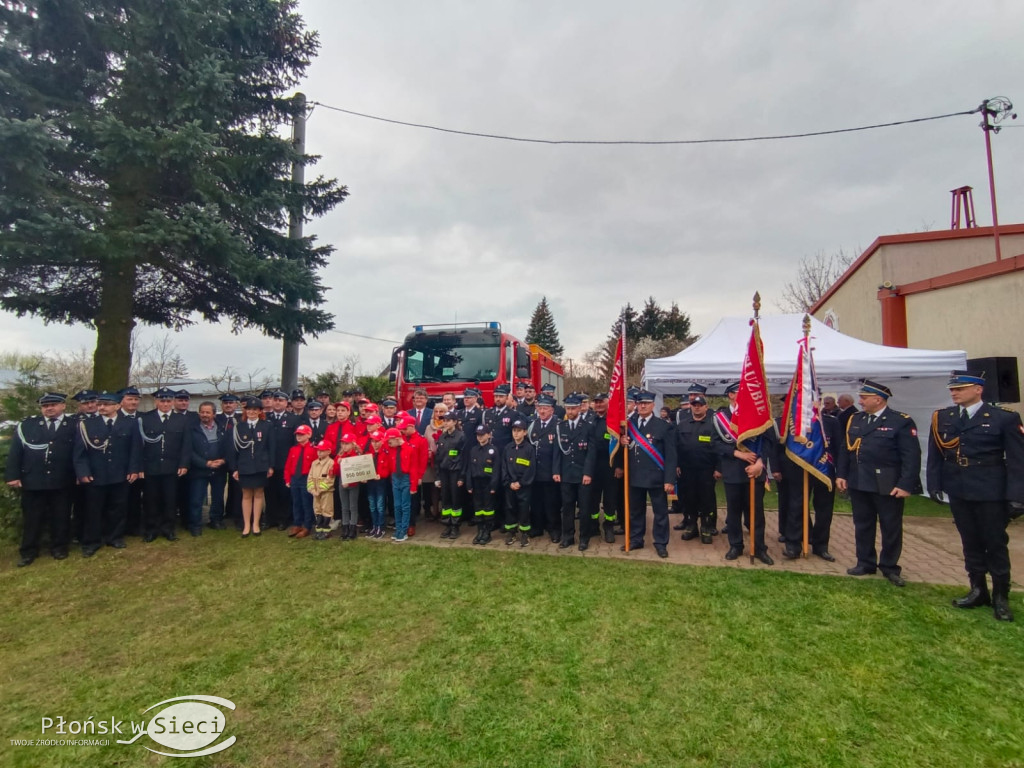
{"points": [[372, 420], [303, 429], [369, 407], [377, 435], [323, 445], [392, 432], [348, 436]]}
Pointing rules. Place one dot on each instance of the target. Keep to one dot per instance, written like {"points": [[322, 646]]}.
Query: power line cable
{"points": [[361, 336], [775, 137]]}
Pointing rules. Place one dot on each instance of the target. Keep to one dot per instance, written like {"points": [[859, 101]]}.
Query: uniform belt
{"points": [[965, 461]]}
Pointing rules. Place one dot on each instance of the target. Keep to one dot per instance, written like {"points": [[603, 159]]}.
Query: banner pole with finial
{"points": [[806, 544], [753, 528]]}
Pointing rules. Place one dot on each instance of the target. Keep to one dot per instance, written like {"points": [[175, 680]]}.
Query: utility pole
{"points": [[993, 112], [290, 348]]}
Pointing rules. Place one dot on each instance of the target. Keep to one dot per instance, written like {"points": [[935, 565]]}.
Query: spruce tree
{"points": [[542, 329]]}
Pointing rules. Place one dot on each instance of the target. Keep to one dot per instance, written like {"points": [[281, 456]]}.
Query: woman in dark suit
{"points": [[250, 457]]}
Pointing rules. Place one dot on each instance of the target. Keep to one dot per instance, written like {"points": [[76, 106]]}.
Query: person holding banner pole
{"points": [[650, 445]]}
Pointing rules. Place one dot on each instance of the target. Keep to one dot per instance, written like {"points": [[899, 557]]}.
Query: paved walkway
{"points": [[931, 549]]}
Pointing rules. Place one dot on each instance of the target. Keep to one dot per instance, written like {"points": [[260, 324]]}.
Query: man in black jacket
{"points": [[880, 464], [209, 470], [976, 457], [545, 510], [107, 460], [650, 444], [575, 456], [39, 463], [166, 456]]}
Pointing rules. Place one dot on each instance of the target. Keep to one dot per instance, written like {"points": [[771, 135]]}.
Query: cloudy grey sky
{"points": [[440, 227]]}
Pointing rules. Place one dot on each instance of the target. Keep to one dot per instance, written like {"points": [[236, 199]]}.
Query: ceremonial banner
{"points": [[753, 415], [806, 444], [357, 469], [617, 398]]}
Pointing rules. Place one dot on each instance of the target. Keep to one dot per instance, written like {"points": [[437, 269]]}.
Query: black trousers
{"points": [[451, 493], [278, 500], [45, 509], [982, 527], [517, 509], [106, 512], [605, 494], [638, 515], [821, 501], [133, 515], [545, 512], [183, 498], [160, 504], [233, 505], [871, 510], [78, 511], [576, 495], [697, 489], [737, 504], [482, 498]]}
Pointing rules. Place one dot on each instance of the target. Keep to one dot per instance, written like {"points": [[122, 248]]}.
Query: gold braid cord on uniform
{"points": [[853, 447], [944, 445]]}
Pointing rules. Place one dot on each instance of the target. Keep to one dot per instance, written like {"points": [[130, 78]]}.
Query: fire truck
{"points": [[449, 358]]}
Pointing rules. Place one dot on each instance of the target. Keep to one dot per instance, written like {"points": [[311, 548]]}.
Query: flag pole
{"points": [[807, 351], [624, 430], [753, 529]]}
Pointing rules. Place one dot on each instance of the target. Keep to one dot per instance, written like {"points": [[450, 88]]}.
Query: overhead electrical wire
{"points": [[361, 336], [775, 137]]}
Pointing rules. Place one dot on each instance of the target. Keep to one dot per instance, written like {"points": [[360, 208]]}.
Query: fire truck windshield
{"points": [[446, 359]]}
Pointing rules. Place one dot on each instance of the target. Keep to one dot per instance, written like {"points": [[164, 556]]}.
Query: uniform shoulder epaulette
{"points": [[1002, 408], [904, 415]]}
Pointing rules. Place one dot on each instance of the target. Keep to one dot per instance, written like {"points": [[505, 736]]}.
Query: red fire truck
{"points": [[449, 358]]}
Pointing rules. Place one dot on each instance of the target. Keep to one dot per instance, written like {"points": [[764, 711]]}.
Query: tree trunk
{"points": [[114, 323]]}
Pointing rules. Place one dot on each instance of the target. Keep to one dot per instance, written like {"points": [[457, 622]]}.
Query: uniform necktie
{"points": [[163, 418], [110, 423], [53, 426], [871, 419], [643, 423], [964, 417]]}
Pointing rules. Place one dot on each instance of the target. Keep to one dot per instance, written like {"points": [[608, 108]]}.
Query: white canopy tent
{"points": [[917, 377]]}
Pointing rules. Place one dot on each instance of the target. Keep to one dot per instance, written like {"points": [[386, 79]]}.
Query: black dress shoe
{"points": [[196, 531], [584, 543], [764, 557], [661, 550], [565, 543], [678, 527], [791, 552], [895, 578], [733, 553], [609, 536], [118, 544], [149, 537], [825, 555], [555, 538], [60, 554], [27, 561], [632, 547], [860, 570], [1001, 607], [782, 539], [282, 527], [89, 551], [171, 537]]}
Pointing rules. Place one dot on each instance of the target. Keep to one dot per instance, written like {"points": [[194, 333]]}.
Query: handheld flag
{"points": [[753, 415], [617, 398], [806, 444]]}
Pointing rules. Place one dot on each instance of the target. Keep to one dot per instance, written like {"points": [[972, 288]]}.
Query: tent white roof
{"points": [[839, 360]]}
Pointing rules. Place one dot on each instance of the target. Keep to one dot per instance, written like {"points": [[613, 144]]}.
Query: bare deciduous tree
{"points": [[815, 275]]}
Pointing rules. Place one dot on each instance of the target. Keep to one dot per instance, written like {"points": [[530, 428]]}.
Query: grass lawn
{"points": [[374, 654]]}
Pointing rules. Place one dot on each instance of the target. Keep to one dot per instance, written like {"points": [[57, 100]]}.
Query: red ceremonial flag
{"points": [[617, 398], [753, 409]]}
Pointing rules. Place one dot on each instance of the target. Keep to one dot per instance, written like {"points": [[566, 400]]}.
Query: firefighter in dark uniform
{"points": [[546, 503], [229, 417], [519, 467], [821, 498], [880, 465], [976, 457], [738, 464], [107, 460], [697, 470], [451, 469], [130, 409], [689, 520], [87, 405], [586, 411], [39, 463], [283, 421], [499, 419], [651, 448], [182, 399], [166, 455], [575, 456], [471, 416], [483, 475], [551, 391], [529, 404], [607, 488]]}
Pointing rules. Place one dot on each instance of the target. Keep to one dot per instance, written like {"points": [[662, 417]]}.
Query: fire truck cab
{"points": [[450, 358]]}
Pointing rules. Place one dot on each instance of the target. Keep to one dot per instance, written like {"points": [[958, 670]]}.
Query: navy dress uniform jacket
{"points": [[980, 461], [644, 472], [47, 467], [879, 457], [166, 446], [575, 451], [543, 438], [251, 449], [108, 455]]}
